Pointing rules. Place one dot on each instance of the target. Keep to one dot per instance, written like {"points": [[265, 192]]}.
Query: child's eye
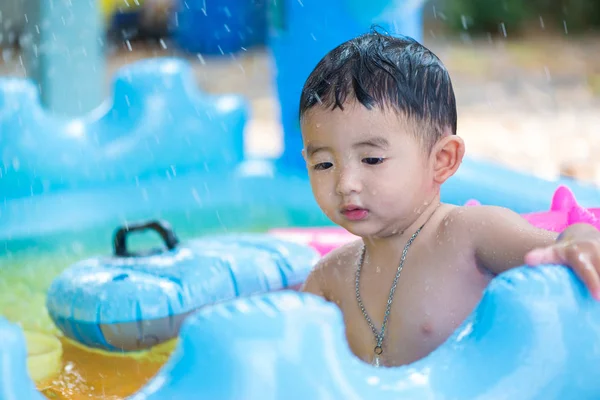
{"points": [[373, 160], [322, 166]]}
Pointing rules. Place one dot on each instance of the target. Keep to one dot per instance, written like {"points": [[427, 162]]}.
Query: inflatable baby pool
{"points": [[531, 337]]}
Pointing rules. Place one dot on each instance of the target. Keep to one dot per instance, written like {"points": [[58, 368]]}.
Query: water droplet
{"points": [[542, 23], [503, 28], [565, 25], [196, 196], [128, 43], [162, 43]]}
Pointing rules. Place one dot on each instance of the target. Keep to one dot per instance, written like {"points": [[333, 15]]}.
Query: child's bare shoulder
{"points": [[469, 217], [462, 223], [331, 269], [487, 225]]}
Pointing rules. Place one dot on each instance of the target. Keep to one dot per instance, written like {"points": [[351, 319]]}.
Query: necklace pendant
{"points": [[376, 361]]}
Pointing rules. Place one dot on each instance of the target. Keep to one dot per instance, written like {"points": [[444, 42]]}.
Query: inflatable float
{"points": [[564, 211], [135, 300], [44, 355], [531, 337]]}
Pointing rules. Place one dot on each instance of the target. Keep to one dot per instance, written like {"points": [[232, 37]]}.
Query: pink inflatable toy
{"points": [[322, 239], [564, 211]]}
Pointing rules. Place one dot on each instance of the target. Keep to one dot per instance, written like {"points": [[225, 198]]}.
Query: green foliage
{"points": [[493, 16], [516, 16]]}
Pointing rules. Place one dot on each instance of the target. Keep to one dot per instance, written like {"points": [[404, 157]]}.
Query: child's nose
{"points": [[349, 181]]}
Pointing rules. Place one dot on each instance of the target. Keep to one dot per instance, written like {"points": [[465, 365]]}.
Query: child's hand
{"points": [[577, 247]]}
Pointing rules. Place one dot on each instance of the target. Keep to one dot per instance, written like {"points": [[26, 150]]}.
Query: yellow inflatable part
{"points": [[158, 353], [44, 355], [109, 7]]}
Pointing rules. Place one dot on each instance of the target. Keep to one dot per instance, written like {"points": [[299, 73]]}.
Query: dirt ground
{"points": [[532, 104]]}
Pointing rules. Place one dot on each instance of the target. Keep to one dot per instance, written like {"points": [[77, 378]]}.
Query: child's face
{"points": [[367, 172]]}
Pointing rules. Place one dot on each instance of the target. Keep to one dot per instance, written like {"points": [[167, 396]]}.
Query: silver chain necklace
{"points": [[379, 336]]}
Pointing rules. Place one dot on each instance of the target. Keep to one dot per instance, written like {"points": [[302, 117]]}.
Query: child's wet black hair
{"points": [[381, 70]]}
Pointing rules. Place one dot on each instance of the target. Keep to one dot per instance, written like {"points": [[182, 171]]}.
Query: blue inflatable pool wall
{"points": [[15, 383], [157, 124], [531, 337]]}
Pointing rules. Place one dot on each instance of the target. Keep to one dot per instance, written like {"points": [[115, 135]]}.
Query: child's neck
{"points": [[390, 247]]}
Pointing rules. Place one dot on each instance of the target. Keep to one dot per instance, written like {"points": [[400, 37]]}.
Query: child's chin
{"points": [[361, 229]]}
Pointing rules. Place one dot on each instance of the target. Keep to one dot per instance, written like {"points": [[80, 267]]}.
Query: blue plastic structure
{"points": [[306, 30], [63, 52], [156, 125], [15, 382], [220, 26], [132, 300], [532, 337]]}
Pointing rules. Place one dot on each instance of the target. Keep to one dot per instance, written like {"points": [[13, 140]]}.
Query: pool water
{"points": [[89, 374]]}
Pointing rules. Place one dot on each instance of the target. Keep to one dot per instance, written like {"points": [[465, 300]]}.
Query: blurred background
{"points": [[526, 73]]}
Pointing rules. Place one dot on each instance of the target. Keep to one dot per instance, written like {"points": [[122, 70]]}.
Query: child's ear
{"points": [[447, 154]]}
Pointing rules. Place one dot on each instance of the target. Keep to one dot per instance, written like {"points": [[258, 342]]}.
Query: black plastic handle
{"points": [[163, 228]]}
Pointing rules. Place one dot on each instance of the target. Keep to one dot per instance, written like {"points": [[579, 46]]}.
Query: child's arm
{"points": [[314, 283], [502, 239], [325, 278]]}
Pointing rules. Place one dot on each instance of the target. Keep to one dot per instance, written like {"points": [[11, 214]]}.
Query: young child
{"points": [[378, 118]]}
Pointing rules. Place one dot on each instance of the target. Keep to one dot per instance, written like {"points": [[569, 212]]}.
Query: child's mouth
{"points": [[354, 213]]}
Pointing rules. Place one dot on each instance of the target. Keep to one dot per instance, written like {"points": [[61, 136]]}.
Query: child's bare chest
{"points": [[433, 295]]}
